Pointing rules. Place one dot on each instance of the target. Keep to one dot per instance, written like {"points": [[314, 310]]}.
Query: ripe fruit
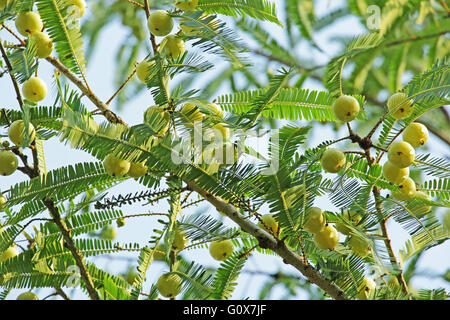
{"points": [[422, 208], [403, 106], [268, 223], [3, 202], [160, 23], [174, 47], [186, 5], [120, 222], [353, 218], [27, 296], [11, 252], [407, 188], [366, 289], [359, 246], [16, 132], [142, 70], [108, 233], [220, 250], [179, 240], [394, 174], [8, 163], [327, 238], [401, 154], [116, 167], [416, 134], [42, 43], [169, 285], [190, 114], [81, 4], [332, 160], [34, 89], [346, 108], [157, 119], [137, 170], [28, 22], [315, 220]]}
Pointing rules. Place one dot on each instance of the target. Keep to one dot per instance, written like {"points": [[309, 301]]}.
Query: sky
{"points": [[100, 77]]}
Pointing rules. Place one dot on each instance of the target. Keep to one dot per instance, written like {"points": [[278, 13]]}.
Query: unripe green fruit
{"points": [[8, 163], [16, 132], [217, 132], [353, 217], [34, 89], [132, 276], [27, 296], [332, 160], [174, 47], [10, 253], [315, 220], [28, 22], [169, 285], [137, 170], [190, 114], [162, 124], [346, 108], [108, 233], [159, 253], [407, 187], [116, 167], [416, 134], [327, 238], [401, 154], [81, 4], [120, 222], [217, 154], [423, 208], [221, 250], [403, 106], [268, 223], [3, 202], [188, 30], [366, 289], [42, 43], [213, 109], [179, 240], [393, 282], [142, 70], [359, 246], [394, 174], [186, 5], [3, 4], [160, 23]]}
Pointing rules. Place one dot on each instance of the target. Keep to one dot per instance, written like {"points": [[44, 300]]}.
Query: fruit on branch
{"points": [[34, 89], [190, 114], [393, 282], [8, 163], [269, 224], [366, 289], [137, 170], [27, 296], [160, 23], [221, 249], [213, 109], [3, 202], [120, 222], [142, 70], [332, 160], [359, 246], [407, 188], [327, 238], [315, 220], [179, 240], [29, 22], [402, 105], [295, 194], [17, 132], [394, 174], [416, 134], [346, 108], [159, 253], [218, 132], [131, 277], [401, 154], [108, 233], [169, 285], [174, 46], [116, 167], [3, 4], [81, 4], [353, 218], [187, 29], [9, 253], [422, 208], [42, 44], [186, 5], [157, 119]]}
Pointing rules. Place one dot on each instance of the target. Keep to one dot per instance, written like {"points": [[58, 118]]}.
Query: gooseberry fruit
{"points": [[346, 108], [366, 289], [401, 154], [27, 296], [160, 23], [8, 163], [16, 132], [190, 114], [34, 89], [108, 233], [169, 285], [158, 119], [268, 223], [315, 220], [407, 188], [142, 70], [42, 44], [186, 5], [353, 217], [220, 250], [174, 46], [332, 160], [422, 208], [120, 222], [217, 132], [3, 4], [81, 4], [394, 174], [359, 246], [137, 170], [403, 106], [9, 253], [213, 109], [179, 240], [3, 202], [132, 276], [159, 253], [28, 22], [116, 167], [188, 30], [327, 238], [416, 134]]}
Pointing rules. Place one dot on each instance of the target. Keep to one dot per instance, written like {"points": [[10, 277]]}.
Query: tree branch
{"points": [[13, 78]]}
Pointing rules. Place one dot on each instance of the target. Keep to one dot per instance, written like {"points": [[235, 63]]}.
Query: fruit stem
{"points": [[135, 3]]}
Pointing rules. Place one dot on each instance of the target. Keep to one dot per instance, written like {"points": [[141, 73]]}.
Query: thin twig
{"points": [[13, 78]]}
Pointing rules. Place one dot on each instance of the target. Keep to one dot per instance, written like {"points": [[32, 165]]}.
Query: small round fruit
{"points": [[3, 202], [416, 134], [174, 47], [394, 174], [28, 22], [16, 132], [407, 187], [158, 119], [34, 89], [268, 223], [217, 132], [222, 249], [366, 289], [81, 4], [108, 233], [403, 106], [353, 217], [190, 114], [169, 285], [137, 170], [187, 29], [346, 108], [315, 220], [422, 208], [3, 4], [332, 160], [116, 167], [159, 253], [132, 276], [42, 43], [10, 253], [214, 109], [186, 5], [393, 282], [179, 240], [327, 238], [160, 23], [120, 222], [27, 296], [401, 154], [359, 246], [142, 70], [8, 163]]}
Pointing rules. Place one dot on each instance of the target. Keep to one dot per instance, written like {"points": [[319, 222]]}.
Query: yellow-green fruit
{"points": [[42, 43], [416, 134], [353, 217], [11, 252], [401, 154], [393, 282], [169, 285], [8, 163], [407, 187], [214, 110], [332, 160], [158, 119], [217, 132], [327, 238], [403, 106], [366, 289], [3, 202], [160, 23], [174, 47], [17, 132], [315, 220], [268, 223], [188, 30], [422, 208], [179, 240], [34, 89], [116, 167], [447, 220], [28, 22], [394, 174], [142, 70], [190, 114], [81, 4], [346, 108], [27, 296], [131, 277], [186, 5], [120, 222], [137, 170], [3, 4], [221, 250], [108, 233], [159, 253], [359, 246]]}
